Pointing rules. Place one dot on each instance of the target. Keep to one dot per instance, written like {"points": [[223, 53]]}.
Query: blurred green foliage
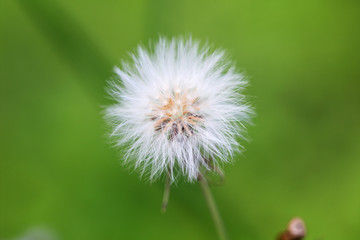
{"points": [[58, 172]]}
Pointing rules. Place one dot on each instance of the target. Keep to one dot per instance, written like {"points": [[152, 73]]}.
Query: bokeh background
{"points": [[60, 179]]}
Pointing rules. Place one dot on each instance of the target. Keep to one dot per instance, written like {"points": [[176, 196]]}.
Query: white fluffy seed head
{"points": [[178, 108]]}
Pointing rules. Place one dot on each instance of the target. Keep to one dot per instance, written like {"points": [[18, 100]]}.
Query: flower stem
{"points": [[166, 193], [220, 228]]}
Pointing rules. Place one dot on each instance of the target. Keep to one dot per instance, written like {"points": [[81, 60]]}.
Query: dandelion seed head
{"points": [[178, 107]]}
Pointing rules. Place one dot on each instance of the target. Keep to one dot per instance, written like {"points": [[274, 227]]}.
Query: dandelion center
{"points": [[176, 113]]}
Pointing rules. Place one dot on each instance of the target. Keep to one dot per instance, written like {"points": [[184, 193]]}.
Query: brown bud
{"points": [[295, 231]]}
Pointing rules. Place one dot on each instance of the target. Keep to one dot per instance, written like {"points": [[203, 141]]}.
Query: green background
{"points": [[59, 174]]}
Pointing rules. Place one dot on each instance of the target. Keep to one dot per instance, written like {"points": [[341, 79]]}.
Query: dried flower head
{"points": [[178, 108]]}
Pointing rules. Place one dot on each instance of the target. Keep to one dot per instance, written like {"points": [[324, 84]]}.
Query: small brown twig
{"points": [[296, 230]]}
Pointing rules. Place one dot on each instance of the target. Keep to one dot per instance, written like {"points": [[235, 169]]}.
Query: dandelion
{"points": [[180, 110]]}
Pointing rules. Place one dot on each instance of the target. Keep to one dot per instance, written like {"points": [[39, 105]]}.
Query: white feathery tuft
{"points": [[178, 108]]}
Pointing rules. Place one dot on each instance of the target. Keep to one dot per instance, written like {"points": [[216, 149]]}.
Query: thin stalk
{"points": [[166, 193], [220, 228]]}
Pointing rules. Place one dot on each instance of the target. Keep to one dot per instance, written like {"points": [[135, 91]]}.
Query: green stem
{"points": [[220, 228], [166, 193]]}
